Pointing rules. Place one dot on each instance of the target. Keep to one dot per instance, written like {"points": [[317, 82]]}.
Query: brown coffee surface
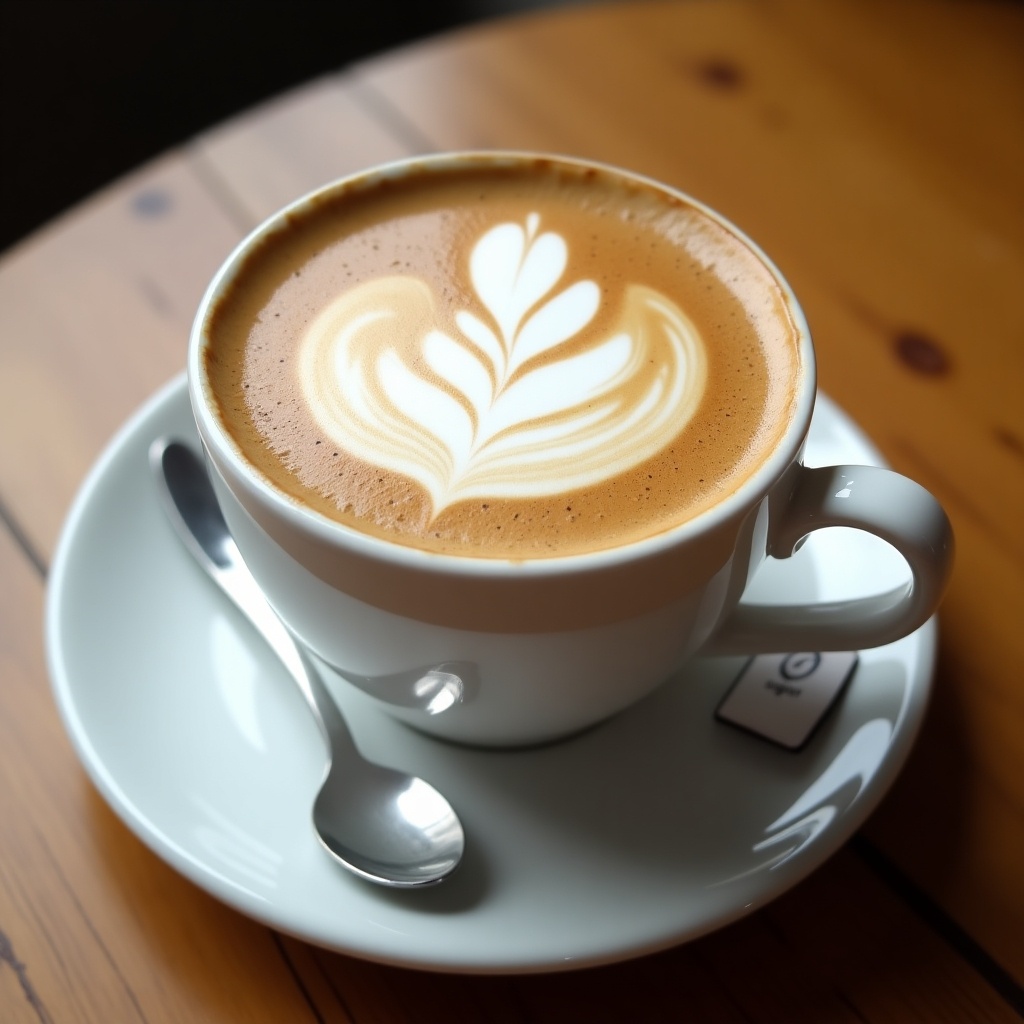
{"points": [[620, 235]]}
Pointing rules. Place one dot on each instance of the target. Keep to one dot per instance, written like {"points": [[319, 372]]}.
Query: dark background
{"points": [[91, 88]]}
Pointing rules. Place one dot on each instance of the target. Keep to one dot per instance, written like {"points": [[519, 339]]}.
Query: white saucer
{"points": [[652, 829]]}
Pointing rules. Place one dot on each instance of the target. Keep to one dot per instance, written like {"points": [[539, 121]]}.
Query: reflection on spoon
{"points": [[384, 826]]}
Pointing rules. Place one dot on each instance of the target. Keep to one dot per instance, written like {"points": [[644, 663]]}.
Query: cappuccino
{"points": [[508, 359]]}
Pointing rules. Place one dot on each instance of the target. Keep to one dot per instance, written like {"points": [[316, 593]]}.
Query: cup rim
{"points": [[742, 498]]}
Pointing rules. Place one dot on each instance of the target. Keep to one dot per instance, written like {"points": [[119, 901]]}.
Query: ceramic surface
{"points": [[654, 828]]}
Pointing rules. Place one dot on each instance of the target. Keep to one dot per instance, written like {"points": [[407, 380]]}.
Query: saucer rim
{"points": [[138, 822]]}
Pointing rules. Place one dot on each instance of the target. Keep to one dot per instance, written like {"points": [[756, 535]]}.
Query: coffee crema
{"points": [[504, 360]]}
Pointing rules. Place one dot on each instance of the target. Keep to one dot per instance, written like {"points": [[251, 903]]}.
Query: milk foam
{"points": [[515, 362], [518, 401]]}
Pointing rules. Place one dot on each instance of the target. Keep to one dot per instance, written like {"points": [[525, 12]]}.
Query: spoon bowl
{"points": [[381, 824]]}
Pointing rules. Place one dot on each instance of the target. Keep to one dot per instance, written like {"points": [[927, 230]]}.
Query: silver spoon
{"points": [[384, 826], [195, 513]]}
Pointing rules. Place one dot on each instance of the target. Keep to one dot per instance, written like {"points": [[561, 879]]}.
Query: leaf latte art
{"points": [[518, 400]]}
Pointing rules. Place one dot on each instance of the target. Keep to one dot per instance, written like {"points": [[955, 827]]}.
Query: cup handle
{"points": [[882, 502]]}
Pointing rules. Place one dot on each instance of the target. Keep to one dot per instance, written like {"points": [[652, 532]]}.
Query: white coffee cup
{"points": [[552, 645]]}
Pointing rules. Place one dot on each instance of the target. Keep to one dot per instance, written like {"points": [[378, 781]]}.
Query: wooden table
{"points": [[876, 151]]}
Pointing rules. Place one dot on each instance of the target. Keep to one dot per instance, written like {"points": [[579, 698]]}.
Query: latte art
{"points": [[517, 402], [509, 359]]}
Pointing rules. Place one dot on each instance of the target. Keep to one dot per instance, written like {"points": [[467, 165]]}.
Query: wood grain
{"points": [[95, 312], [875, 151], [263, 160]]}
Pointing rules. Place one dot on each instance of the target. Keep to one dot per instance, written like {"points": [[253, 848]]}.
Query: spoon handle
{"points": [[184, 485], [192, 507]]}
